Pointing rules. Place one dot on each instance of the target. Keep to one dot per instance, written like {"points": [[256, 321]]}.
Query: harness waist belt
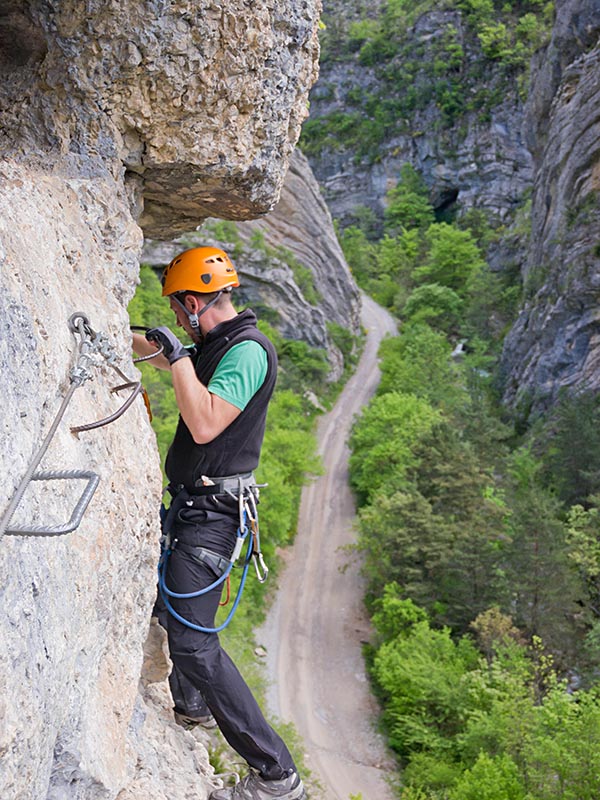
{"points": [[223, 485], [218, 564]]}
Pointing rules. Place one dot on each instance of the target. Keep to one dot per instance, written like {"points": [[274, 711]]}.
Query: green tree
{"points": [[469, 522], [572, 455], [421, 674], [407, 203], [418, 362], [495, 41], [453, 258], [359, 252], [434, 305], [384, 439], [394, 615], [490, 778], [439, 536], [545, 588], [583, 542], [562, 757], [397, 255]]}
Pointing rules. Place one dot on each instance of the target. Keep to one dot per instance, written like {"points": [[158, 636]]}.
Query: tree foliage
{"points": [[408, 206], [419, 362], [467, 726], [572, 448], [383, 441], [453, 258], [434, 305], [469, 527]]}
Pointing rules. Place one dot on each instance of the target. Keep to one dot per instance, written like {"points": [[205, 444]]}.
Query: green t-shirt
{"points": [[240, 373]]}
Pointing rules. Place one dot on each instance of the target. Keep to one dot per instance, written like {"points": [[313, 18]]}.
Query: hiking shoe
{"points": [[189, 723], [253, 787]]}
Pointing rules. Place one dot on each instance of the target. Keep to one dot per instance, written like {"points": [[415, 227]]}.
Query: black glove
{"points": [[173, 350]]}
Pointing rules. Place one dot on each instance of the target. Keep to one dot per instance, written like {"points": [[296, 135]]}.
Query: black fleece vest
{"points": [[237, 448]]}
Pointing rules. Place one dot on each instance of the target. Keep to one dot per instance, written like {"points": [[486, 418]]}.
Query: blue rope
{"points": [[163, 574], [166, 592]]}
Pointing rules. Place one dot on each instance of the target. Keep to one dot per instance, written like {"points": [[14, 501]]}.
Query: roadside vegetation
{"points": [[479, 530]]}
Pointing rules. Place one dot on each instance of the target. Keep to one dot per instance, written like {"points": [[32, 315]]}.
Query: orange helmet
{"points": [[201, 269]]}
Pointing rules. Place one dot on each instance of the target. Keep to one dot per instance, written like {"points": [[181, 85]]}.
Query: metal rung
{"points": [[56, 530]]}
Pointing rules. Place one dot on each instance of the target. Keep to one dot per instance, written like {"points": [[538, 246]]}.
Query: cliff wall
{"points": [[489, 129], [115, 119], [555, 342], [432, 100]]}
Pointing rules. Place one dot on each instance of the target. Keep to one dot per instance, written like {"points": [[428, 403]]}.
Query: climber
{"points": [[222, 387]]}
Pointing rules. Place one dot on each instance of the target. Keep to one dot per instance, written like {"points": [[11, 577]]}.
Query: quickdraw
{"points": [[104, 348], [228, 590]]}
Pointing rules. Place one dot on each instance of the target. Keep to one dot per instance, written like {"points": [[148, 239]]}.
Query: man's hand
{"points": [[173, 350]]}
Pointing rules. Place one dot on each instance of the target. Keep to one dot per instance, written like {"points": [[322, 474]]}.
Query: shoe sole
{"points": [[287, 796]]}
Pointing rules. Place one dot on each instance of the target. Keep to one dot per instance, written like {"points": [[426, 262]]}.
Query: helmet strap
{"points": [[194, 318]]}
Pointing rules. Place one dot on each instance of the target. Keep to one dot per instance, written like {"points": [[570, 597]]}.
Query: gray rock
{"points": [[301, 223], [203, 104], [480, 162], [555, 343]]}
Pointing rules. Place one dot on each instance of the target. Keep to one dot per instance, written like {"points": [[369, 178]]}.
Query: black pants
{"points": [[212, 523], [186, 698]]}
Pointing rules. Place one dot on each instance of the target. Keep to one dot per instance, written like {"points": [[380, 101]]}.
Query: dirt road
{"points": [[314, 630]]}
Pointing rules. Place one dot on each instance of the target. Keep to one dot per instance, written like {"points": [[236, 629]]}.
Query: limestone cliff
{"points": [[485, 134], [555, 342], [112, 116], [301, 223]]}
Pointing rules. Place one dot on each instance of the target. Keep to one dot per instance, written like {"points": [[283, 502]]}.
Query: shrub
{"points": [[453, 258], [490, 778], [434, 305]]}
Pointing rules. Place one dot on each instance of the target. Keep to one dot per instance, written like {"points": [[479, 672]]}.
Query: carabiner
{"points": [[262, 571]]}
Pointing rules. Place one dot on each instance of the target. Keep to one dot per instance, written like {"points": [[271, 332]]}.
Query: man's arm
{"points": [[209, 410], [205, 414]]}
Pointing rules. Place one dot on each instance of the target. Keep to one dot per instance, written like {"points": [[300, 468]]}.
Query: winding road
{"points": [[315, 627]]}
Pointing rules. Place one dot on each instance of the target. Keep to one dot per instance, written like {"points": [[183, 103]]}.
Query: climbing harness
{"points": [[245, 491], [90, 343]]}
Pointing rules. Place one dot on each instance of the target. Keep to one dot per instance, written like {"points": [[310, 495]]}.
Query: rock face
{"points": [[301, 223], [555, 343], [200, 102], [490, 159], [111, 114]]}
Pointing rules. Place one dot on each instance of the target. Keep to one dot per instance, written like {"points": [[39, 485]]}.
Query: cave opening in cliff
{"points": [[445, 208]]}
